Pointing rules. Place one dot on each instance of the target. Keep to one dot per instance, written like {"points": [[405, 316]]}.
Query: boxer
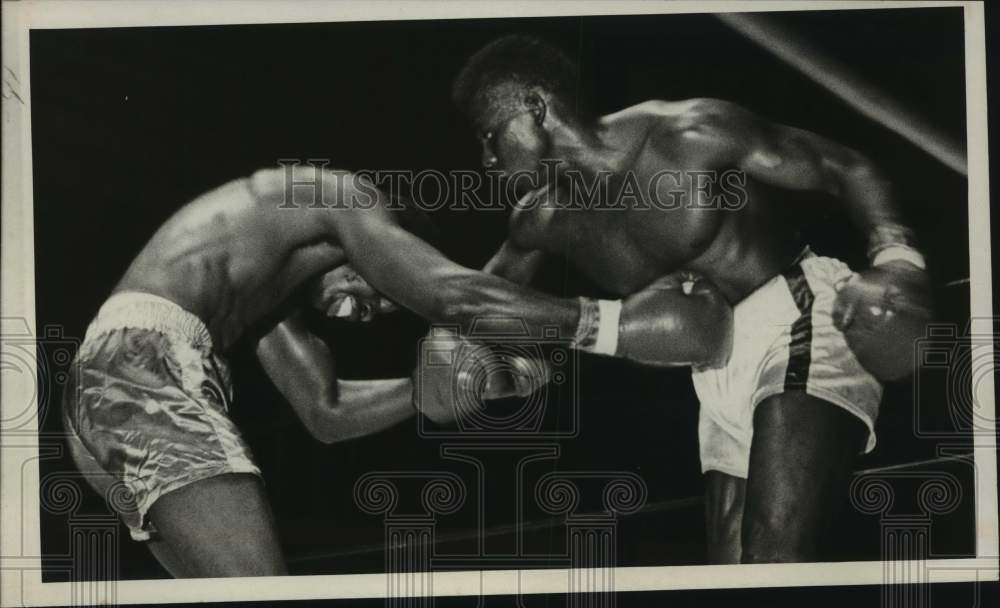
{"points": [[146, 405], [783, 418]]}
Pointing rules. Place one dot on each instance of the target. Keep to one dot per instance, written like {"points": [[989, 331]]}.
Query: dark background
{"points": [[128, 124]]}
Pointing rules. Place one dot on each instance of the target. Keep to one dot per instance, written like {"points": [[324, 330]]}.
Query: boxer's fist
{"points": [[679, 319], [344, 294], [454, 373], [882, 312]]}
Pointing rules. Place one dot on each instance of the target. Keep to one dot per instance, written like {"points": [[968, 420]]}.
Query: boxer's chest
{"points": [[620, 249]]}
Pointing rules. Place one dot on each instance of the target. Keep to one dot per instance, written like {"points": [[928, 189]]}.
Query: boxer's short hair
{"points": [[520, 60]]}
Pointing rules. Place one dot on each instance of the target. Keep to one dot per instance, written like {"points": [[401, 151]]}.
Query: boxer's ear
{"points": [[536, 104]]}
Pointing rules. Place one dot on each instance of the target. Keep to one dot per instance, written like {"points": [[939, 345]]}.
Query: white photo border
{"points": [[20, 548]]}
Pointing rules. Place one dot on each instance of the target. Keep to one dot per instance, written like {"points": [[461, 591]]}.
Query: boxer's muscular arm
{"points": [[414, 274], [660, 325], [721, 134], [348, 210], [302, 368], [664, 327]]}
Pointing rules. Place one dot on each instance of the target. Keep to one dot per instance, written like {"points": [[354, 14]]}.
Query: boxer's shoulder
{"points": [[691, 133], [271, 182], [697, 118]]}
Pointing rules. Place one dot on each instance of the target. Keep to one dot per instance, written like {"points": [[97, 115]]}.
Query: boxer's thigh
{"points": [[220, 526], [724, 498], [801, 457]]}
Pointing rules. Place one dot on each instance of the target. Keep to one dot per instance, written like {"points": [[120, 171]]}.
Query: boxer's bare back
{"points": [[233, 255]]}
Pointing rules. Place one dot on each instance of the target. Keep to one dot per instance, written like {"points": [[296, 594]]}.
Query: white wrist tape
{"points": [[597, 331], [902, 253], [607, 331]]}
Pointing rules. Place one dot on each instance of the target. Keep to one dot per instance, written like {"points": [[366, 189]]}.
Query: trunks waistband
{"points": [[138, 310]]}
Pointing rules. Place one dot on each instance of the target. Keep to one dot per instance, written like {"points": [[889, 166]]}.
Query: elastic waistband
{"points": [[138, 310]]}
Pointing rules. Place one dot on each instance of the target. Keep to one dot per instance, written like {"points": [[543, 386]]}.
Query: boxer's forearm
{"points": [[364, 407], [867, 196], [852, 178], [410, 272], [302, 368]]}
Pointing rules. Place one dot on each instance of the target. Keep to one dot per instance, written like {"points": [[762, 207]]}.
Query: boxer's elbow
{"points": [[325, 422], [333, 425], [325, 416], [324, 432]]}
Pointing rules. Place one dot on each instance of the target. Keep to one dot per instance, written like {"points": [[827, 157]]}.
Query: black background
{"points": [[130, 123]]}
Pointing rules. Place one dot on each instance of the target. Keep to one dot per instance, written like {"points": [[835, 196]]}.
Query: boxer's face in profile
{"points": [[344, 294], [512, 140]]}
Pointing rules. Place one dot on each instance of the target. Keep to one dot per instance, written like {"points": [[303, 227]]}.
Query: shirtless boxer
{"points": [[783, 419], [147, 403]]}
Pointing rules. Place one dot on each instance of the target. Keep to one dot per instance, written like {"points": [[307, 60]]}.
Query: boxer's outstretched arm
{"points": [[664, 327], [302, 368], [414, 274], [661, 325]]}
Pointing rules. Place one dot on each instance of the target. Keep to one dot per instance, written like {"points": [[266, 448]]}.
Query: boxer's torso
{"points": [[231, 257], [735, 234]]}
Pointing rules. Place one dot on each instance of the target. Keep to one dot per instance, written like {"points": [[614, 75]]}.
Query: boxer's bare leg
{"points": [[724, 498], [801, 458], [221, 526], [171, 562]]}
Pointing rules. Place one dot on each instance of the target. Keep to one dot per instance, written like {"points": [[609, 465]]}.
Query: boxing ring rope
{"points": [[861, 95]]}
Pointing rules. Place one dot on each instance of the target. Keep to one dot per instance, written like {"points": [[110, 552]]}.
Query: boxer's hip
{"points": [[784, 339], [147, 404]]}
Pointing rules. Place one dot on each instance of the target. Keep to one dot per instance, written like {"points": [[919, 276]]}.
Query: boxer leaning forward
{"points": [[147, 405], [783, 418]]}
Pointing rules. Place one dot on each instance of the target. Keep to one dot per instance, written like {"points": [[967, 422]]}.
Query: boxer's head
{"points": [[344, 294], [518, 91]]}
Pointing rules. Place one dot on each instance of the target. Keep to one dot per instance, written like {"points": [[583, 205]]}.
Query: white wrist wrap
{"points": [[597, 331], [903, 253], [607, 331]]}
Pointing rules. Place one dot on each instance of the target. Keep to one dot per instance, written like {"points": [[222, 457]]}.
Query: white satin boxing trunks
{"points": [[146, 406], [783, 340]]}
